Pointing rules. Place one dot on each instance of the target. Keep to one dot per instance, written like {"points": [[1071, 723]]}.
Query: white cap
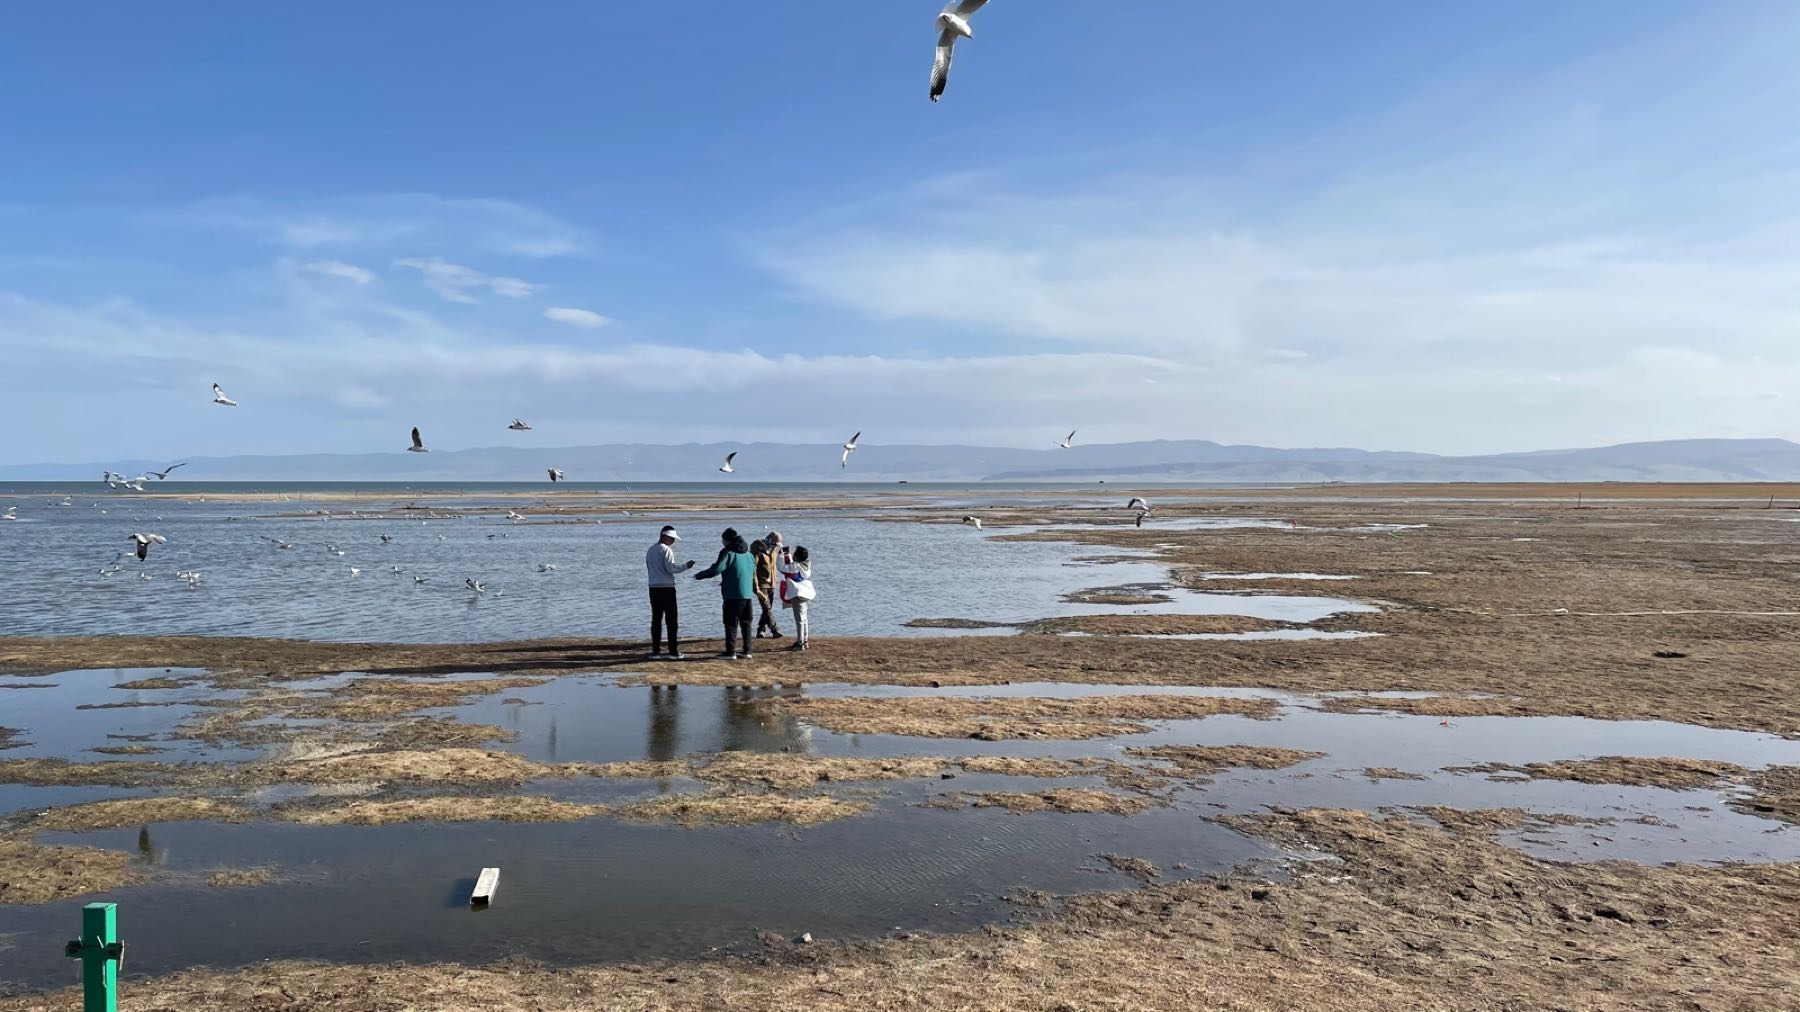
{"points": [[669, 532]]}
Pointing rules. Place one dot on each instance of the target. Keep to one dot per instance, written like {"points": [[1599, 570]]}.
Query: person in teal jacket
{"points": [[736, 570]]}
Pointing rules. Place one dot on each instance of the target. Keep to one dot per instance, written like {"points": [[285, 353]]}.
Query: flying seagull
{"points": [[972, 521], [418, 443], [1138, 503], [12, 513], [387, 539], [1065, 444], [519, 425], [164, 474], [952, 24], [144, 541], [546, 567], [420, 579], [277, 542], [475, 585], [220, 398], [355, 572], [555, 474], [850, 448], [728, 459], [514, 515]]}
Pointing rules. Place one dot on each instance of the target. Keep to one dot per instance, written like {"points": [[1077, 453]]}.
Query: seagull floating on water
{"points": [[418, 443], [729, 457], [546, 567], [164, 474], [952, 24], [144, 541], [850, 448], [972, 521], [518, 425], [220, 398], [555, 474], [1070, 441]]}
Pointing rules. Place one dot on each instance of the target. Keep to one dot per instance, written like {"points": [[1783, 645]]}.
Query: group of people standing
{"points": [[762, 576]]}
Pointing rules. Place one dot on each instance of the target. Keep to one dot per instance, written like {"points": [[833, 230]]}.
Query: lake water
{"points": [[65, 576]]}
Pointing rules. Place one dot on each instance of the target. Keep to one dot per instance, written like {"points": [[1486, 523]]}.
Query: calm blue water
{"points": [[874, 576]]}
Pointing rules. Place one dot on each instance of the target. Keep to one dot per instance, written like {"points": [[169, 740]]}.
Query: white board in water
{"points": [[485, 886]]}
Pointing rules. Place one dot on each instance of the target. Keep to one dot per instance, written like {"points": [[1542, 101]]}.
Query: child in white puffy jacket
{"points": [[797, 591]]}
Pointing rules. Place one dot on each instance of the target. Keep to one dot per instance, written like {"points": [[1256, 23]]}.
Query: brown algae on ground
{"points": [[1067, 800], [731, 809]]}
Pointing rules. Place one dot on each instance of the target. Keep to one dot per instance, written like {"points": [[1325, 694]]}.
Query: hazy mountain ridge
{"points": [[1179, 460]]}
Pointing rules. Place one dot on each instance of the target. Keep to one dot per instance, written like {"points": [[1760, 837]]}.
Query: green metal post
{"points": [[100, 952]]}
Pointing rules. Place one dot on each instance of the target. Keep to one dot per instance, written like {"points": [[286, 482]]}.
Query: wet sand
{"points": [[1511, 602]]}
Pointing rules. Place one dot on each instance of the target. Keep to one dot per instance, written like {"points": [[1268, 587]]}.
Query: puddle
{"points": [[603, 890], [1260, 634], [599, 890], [53, 724]]}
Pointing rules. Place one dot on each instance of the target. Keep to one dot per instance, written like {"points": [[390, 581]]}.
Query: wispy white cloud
{"points": [[583, 318], [454, 282], [340, 270], [383, 222]]}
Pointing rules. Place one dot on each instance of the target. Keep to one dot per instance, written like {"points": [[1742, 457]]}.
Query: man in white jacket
{"points": [[660, 561]]}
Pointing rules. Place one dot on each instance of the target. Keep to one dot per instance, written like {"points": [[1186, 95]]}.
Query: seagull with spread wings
{"points": [[164, 474], [727, 468], [952, 24], [220, 398], [418, 443], [1070, 441], [850, 448], [518, 425], [144, 541]]}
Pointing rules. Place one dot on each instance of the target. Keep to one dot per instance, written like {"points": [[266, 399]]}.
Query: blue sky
{"points": [[1457, 227]]}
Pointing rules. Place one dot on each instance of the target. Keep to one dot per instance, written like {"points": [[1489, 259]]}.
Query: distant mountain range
{"points": [[1195, 460]]}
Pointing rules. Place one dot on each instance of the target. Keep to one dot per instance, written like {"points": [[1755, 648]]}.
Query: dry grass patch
{"points": [[31, 874], [448, 765], [1628, 771], [741, 809], [1068, 800], [123, 812], [1389, 773], [1199, 762], [998, 718], [447, 809], [1776, 794], [240, 878]]}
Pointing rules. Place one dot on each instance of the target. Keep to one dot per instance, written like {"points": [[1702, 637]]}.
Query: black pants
{"points": [[737, 622], [663, 608]]}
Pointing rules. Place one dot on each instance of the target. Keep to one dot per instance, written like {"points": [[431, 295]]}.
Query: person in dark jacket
{"points": [[736, 570]]}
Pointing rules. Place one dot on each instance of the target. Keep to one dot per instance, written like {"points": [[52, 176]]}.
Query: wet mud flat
{"points": [[1562, 770]]}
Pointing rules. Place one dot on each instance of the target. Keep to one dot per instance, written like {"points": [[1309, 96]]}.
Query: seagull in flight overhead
{"points": [[418, 443], [164, 474], [1139, 503], [518, 425], [1069, 442], [952, 24], [850, 448], [555, 474], [220, 398], [972, 521], [727, 468], [144, 541]]}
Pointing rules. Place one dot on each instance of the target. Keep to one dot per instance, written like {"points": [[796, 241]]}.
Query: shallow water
{"points": [[602, 890], [873, 576]]}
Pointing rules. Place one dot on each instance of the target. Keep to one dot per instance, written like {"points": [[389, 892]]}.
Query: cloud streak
{"points": [[454, 282], [582, 318]]}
